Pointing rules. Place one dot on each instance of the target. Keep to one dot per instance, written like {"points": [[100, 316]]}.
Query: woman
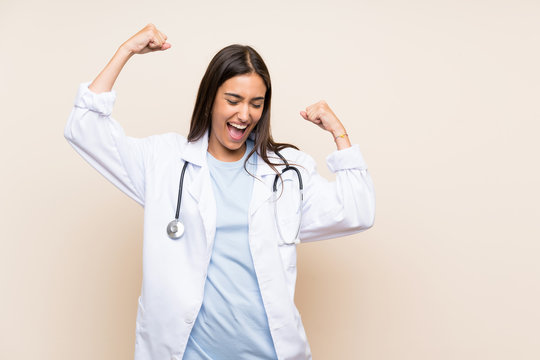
{"points": [[223, 288]]}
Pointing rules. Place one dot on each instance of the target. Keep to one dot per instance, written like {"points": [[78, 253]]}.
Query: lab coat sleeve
{"points": [[101, 141], [337, 208]]}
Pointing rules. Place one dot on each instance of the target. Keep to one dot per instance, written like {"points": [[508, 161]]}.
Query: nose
{"points": [[243, 113]]}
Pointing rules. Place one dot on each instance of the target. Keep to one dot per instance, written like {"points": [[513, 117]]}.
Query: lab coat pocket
{"points": [[288, 258]]}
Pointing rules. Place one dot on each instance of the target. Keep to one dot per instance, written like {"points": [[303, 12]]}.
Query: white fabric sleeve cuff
{"points": [[101, 103], [350, 158]]}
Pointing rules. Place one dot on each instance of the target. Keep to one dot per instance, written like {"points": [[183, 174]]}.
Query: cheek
{"points": [[258, 115], [219, 116], [256, 121]]}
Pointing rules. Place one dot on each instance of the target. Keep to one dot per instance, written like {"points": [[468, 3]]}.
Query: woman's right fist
{"points": [[147, 40]]}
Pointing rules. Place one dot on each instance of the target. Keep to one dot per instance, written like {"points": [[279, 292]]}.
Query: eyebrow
{"points": [[240, 97]]}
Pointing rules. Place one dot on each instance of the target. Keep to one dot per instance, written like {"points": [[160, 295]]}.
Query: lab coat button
{"points": [[188, 320]]}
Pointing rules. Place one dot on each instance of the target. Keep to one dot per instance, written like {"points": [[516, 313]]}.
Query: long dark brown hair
{"points": [[229, 62]]}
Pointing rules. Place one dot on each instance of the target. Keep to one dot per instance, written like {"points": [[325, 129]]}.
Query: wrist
{"points": [[338, 132], [125, 52], [341, 138]]}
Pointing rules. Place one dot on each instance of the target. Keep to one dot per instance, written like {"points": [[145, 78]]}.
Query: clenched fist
{"points": [[321, 115], [146, 40]]}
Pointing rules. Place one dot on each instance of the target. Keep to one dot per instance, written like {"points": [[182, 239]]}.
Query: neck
{"points": [[228, 155]]}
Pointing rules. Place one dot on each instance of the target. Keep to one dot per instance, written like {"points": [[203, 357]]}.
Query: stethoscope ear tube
{"points": [[175, 229]]}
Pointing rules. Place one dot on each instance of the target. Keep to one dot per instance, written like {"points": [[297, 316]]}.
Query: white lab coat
{"points": [[174, 272]]}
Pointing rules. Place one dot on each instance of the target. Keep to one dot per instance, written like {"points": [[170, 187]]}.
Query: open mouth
{"points": [[236, 131]]}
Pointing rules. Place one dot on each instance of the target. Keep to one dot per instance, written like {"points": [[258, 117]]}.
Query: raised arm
{"points": [[344, 206], [148, 39], [97, 137]]}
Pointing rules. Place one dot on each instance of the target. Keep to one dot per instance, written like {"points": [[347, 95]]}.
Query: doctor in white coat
{"points": [[181, 315]]}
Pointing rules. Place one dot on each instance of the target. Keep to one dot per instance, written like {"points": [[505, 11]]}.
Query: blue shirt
{"points": [[232, 321]]}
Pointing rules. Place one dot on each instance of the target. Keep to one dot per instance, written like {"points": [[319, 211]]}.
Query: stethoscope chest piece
{"points": [[175, 229]]}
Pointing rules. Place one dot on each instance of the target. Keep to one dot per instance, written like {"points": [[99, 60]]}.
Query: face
{"points": [[237, 109]]}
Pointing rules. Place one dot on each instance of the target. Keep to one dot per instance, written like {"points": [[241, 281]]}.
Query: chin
{"points": [[235, 146]]}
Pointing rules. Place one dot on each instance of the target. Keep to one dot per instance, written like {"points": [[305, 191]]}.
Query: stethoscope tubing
{"points": [[180, 188], [175, 229]]}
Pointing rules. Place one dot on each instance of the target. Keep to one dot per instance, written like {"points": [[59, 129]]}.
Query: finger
{"points": [[154, 44], [157, 42], [160, 37], [315, 121], [313, 114], [304, 115], [151, 46], [309, 109], [163, 36], [166, 46]]}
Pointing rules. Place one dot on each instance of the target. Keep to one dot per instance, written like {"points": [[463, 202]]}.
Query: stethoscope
{"points": [[175, 229]]}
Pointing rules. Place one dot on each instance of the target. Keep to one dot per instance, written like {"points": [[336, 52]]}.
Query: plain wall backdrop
{"points": [[442, 97]]}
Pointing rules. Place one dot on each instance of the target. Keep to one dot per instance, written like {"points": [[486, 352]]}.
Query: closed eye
{"points": [[256, 106]]}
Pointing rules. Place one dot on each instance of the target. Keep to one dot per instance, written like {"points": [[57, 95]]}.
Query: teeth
{"points": [[238, 126]]}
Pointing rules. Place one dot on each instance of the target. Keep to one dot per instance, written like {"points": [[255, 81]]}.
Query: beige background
{"points": [[442, 97]]}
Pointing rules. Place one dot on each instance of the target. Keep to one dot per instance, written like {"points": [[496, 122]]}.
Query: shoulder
{"points": [[297, 157], [167, 142]]}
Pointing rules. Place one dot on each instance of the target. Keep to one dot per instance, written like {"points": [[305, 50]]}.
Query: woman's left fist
{"points": [[321, 114]]}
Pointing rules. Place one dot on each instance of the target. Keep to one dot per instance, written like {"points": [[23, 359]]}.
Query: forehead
{"points": [[246, 85]]}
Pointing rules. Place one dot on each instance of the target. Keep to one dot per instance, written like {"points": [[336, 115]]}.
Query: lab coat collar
{"points": [[263, 168], [195, 152], [200, 185]]}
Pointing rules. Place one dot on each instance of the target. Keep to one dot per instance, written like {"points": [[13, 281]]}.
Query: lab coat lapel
{"points": [[200, 186], [262, 186], [202, 192]]}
